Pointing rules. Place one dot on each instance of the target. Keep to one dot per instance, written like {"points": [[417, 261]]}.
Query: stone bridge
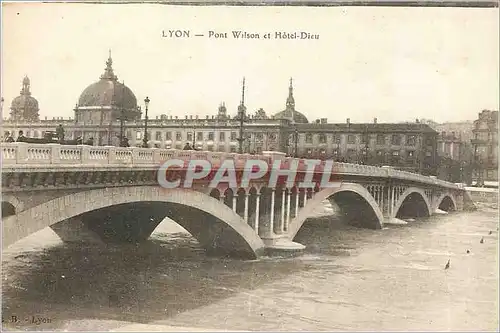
{"points": [[114, 192]]}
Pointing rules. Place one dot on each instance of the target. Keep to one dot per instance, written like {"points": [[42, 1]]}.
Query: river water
{"points": [[348, 279]]}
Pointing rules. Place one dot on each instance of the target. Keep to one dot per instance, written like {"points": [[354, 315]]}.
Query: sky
{"points": [[396, 64]]}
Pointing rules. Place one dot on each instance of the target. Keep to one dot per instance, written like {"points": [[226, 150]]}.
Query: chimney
{"points": [[206, 117], [186, 117], [348, 121], [196, 117], [157, 117], [176, 117], [191, 117], [417, 121], [170, 117], [374, 120]]}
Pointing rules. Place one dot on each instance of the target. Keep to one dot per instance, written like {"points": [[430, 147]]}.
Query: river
{"points": [[348, 279]]}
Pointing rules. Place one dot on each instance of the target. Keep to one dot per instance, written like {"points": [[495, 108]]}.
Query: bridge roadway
{"points": [[114, 192]]}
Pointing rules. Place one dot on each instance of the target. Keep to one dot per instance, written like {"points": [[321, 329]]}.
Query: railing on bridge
{"points": [[26, 154]]}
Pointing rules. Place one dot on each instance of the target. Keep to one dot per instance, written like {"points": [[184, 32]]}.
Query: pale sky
{"points": [[395, 64]]}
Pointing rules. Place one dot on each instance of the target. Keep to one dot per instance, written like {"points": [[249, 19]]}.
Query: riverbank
{"points": [[482, 196]]}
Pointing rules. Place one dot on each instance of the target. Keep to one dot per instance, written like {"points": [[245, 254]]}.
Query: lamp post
{"points": [[145, 139], [367, 139], [122, 118], [296, 141], [194, 137], [242, 115]]}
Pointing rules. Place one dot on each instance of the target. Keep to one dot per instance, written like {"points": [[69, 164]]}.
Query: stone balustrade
{"points": [[39, 155]]}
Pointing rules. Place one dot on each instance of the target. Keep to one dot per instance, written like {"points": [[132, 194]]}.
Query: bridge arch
{"points": [[11, 205], [412, 203], [353, 200], [217, 227], [445, 202]]}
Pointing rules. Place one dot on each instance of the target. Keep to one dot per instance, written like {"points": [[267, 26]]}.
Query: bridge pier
{"points": [[273, 226]]}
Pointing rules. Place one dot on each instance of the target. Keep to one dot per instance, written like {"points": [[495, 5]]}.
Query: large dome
{"points": [[108, 92]]}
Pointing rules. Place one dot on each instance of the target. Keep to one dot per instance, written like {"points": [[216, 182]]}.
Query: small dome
{"points": [[25, 107], [292, 114], [108, 91], [24, 102]]}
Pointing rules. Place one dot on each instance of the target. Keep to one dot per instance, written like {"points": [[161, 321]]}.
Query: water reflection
{"points": [[349, 279]]}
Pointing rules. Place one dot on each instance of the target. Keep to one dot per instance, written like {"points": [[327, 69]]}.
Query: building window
{"points": [[178, 146], [336, 138], [222, 136], [178, 136], [309, 138], [272, 136], [411, 140], [258, 136], [395, 153], [199, 136], [322, 138], [396, 139], [364, 138], [233, 149], [411, 154], [211, 136], [138, 135], [351, 139], [222, 148], [233, 136], [335, 152], [210, 148], [158, 136], [189, 137], [380, 139]]}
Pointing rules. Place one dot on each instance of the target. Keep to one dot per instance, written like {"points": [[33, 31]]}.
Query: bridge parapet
{"points": [[51, 155]]}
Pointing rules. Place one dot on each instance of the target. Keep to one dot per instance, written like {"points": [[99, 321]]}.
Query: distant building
{"points": [[408, 146], [485, 148]]}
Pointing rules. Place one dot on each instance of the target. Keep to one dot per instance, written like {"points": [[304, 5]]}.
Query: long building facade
{"points": [[108, 109]]}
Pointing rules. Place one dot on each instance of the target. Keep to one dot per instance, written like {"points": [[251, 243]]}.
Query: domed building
{"points": [[106, 100], [24, 108], [290, 112]]}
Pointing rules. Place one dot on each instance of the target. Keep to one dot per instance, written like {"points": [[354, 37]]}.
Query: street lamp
{"points": [[242, 116], [145, 139], [296, 139], [194, 137]]}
